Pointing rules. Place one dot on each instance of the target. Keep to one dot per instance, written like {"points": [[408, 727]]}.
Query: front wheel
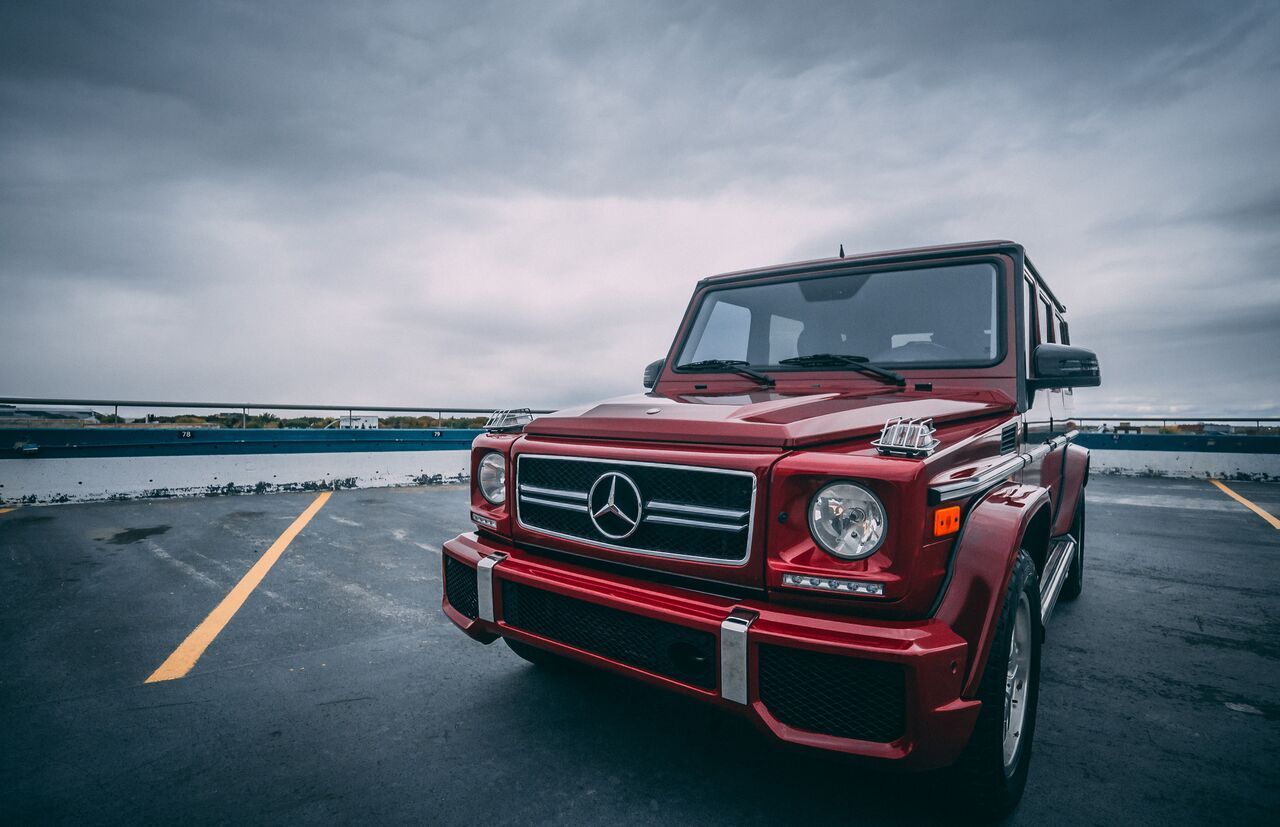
{"points": [[992, 772]]}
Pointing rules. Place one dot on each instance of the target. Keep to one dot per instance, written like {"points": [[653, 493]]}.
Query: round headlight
{"points": [[492, 478], [847, 520]]}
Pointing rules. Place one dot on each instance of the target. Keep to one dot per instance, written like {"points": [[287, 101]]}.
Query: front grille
{"points": [[833, 695], [678, 511], [460, 587], [685, 655]]}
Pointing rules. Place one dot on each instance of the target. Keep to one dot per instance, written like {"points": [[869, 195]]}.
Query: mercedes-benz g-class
{"points": [[832, 511]]}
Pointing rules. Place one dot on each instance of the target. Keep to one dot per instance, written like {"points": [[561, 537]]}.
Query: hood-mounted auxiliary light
{"points": [[901, 437], [508, 420]]}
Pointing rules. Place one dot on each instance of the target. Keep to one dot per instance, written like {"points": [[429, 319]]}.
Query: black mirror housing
{"points": [[1064, 366], [651, 373]]}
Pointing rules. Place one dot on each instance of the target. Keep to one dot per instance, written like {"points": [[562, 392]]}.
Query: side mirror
{"points": [[651, 372], [1064, 366]]}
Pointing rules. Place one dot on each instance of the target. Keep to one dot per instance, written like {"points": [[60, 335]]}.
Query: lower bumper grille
{"points": [[833, 695], [460, 587], [682, 654]]}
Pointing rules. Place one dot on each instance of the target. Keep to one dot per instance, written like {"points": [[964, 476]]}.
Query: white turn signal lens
{"points": [[847, 520], [492, 478]]}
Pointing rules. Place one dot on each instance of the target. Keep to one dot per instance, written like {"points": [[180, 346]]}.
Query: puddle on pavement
{"points": [[133, 535]]}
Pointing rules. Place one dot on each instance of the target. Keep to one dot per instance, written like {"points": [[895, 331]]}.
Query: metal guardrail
{"points": [[252, 406], [245, 407], [1258, 421], [1192, 419], [440, 410]]}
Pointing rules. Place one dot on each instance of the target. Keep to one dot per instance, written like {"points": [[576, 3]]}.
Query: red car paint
{"points": [[941, 596]]}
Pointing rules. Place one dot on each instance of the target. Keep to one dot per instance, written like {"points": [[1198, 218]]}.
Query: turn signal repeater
{"points": [[946, 521]]}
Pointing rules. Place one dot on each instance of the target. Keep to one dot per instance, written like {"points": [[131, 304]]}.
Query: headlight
{"points": [[492, 478], [847, 520]]}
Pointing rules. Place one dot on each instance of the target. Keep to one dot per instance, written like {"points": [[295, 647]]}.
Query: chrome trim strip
{"points": [[703, 510], [657, 518], [978, 482], [587, 541], [1057, 567], [581, 496], [733, 655], [582, 508], [1050, 446], [484, 585]]}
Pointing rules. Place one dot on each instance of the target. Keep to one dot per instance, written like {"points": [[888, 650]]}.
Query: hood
{"points": [[763, 418]]}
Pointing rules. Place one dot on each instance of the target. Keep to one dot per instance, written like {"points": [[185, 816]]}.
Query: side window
{"points": [[1029, 318], [725, 337], [784, 338]]}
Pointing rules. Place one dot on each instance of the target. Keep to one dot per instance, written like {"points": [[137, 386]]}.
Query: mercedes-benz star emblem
{"points": [[614, 505]]}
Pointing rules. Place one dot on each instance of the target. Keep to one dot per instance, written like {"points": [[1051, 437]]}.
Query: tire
{"points": [[1075, 575], [536, 656], [991, 783]]}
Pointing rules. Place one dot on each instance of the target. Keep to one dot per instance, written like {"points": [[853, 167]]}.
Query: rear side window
{"points": [[1029, 317], [726, 333], [784, 338], [1046, 323]]}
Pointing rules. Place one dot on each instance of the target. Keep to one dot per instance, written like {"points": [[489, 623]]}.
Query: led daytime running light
{"points": [[833, 584]]}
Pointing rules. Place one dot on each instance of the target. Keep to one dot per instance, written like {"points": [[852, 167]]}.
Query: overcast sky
{"points": [[509, 204]]}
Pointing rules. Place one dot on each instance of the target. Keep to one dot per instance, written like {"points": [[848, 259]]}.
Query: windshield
{"points": [[935, 316]]}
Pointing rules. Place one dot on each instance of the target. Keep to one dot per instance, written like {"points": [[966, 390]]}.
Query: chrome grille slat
{"points": [[555, 492], [687, 512], [661, 520], [728, 514], [555, 504]]}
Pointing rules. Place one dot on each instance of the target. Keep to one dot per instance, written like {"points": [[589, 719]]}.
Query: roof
{"points": [[887, 257]]}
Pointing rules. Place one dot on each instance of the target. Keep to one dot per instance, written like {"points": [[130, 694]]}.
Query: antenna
{"points": [[841, 251]]}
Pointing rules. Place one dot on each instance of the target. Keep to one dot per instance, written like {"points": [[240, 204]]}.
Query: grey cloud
{"points": [[509, 203]]}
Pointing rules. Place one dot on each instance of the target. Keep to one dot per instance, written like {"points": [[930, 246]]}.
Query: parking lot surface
{"points": [[339, 691]]}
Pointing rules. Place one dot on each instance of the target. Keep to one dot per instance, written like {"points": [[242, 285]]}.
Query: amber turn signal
{"points": [[946, 521]]}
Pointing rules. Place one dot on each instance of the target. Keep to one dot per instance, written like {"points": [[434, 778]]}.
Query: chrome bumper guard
{"points": [[484, 585], [733, 655]]}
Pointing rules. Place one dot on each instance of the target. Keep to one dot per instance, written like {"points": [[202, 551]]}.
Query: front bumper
{"points": [[881, 689]]}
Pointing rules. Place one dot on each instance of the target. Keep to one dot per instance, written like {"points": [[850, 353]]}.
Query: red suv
{"points": [[832, 511]]}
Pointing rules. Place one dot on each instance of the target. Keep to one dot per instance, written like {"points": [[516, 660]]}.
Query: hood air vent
{"points": [[1009, 438]]}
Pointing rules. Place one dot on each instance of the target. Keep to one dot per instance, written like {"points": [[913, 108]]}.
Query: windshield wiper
{"points": [[728, 366], [858, 363]]}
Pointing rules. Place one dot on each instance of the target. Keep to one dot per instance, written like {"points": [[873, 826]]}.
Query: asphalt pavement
{"points": [[339, 691]]}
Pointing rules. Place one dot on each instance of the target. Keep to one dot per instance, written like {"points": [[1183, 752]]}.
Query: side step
{"points": [[1055, 574]]}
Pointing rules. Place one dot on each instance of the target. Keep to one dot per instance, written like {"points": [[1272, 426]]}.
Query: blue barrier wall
{"points": [[146, 442], [1182, 443], [66, 443]]}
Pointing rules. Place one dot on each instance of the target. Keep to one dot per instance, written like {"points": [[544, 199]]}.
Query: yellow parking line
{"points": [[185, 656], [1275, 523], [6, 510]]}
